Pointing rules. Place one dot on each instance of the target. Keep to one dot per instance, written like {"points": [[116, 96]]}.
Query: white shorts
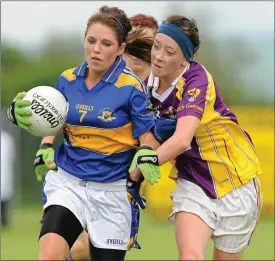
{"points": [[103, 209], [232, 217]]}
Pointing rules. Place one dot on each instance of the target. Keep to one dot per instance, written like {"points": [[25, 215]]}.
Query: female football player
{"points": [[101, 136], [218, 192], [137, 55]]}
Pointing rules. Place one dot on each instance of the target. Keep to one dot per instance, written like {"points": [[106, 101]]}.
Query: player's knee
{"points": [[80, 250], [51, 256], [52, 247], [190, 254]]}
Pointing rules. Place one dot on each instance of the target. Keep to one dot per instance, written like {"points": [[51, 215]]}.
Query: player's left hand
{"points": [[146, 160], [133, 188], [44, 161]]}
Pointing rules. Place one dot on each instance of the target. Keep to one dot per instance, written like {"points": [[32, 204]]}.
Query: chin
{"points": [[96, 69], [157, 72]]}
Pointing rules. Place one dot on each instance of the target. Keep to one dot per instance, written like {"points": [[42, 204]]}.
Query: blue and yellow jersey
{"points": [[222, 156], [103, 123]]}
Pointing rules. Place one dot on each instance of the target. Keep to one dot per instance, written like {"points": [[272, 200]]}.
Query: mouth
{"points": [[157, 66], [95, 58]]}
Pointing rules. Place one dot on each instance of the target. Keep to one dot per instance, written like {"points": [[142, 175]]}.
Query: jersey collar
{"points": [[110, 76]]}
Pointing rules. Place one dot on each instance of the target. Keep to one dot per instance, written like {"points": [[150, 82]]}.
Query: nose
{"points": [[159, 55], [97, 48]]}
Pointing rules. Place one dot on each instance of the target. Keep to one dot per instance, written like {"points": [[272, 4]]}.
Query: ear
{"points": [[184, 62], [121, 49]]}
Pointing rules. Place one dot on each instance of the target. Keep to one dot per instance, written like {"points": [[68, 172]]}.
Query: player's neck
{"points": [[165, 82], [142, 75], [92, 78]]}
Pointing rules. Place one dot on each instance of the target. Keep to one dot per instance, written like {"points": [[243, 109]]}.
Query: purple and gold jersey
{"points": [[222, 156], [103, 123]]}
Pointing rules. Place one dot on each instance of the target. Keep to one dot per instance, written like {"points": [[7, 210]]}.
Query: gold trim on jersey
{"points": [[231, 159], [68, 74], [126, 80], [106, 141], [180, 87]]}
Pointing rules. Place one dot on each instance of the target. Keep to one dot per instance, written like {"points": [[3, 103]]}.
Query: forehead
{"points": [[166, 40], [99, 30], [150, 32], [146, 31]]}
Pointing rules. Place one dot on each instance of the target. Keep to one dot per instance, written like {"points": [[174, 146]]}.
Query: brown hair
{"points": [[139, 46], [144, 21], [114, 18], [188, 26]]}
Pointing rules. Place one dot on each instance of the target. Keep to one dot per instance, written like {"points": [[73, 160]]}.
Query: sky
{"points": [[28, 23]]}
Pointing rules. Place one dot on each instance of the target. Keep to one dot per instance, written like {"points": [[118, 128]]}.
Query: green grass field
{"points": [[157, 239]]}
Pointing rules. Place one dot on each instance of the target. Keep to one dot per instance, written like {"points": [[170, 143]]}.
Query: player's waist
{"points": [[91, 159], [214, 188], [119, 185], [106, 141]]}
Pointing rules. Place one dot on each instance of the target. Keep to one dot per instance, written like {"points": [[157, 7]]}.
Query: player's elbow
{"points": [[181, 142], [184, 145]]}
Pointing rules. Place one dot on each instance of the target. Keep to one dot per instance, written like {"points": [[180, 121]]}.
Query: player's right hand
{"points": [[164, 129], [44, 161], [17, 113], [146, 159]]}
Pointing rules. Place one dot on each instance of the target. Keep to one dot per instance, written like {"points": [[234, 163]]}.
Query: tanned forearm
{"points": [[170, 149], [148, 139], [48, 139]]}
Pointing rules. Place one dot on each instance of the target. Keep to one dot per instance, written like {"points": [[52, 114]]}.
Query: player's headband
{"points": [[180, 37], [119, 23]]}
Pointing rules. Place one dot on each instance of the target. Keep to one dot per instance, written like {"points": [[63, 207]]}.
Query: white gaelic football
{"points": [[49, 110]]}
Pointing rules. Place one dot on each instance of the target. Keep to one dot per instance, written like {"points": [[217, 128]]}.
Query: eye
{"points": [[169, 53], [156, 46], [91, 40], [107, 44]]}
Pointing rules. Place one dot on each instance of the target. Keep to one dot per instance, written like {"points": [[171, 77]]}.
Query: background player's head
{"points": [[176, 41], [140, 41], [105, 38], [148, 23]]}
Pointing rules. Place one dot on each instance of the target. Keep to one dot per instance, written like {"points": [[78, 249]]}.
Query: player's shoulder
{"points": [[69, 74], [128, 78], [197, 72]]}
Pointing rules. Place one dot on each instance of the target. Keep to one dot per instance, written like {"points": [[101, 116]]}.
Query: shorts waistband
{"points": [[119, 185]]}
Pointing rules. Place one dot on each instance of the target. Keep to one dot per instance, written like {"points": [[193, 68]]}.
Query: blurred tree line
{"points": [[22, 70]]}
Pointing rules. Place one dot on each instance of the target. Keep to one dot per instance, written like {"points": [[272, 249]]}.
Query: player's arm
{"points": [[148, 139], [134, 180], [189, 114], [143, 122], [44, 158], [48, 139], [180, 140]]}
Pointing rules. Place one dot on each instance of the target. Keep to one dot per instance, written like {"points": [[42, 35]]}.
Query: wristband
{"points": [[45, 145]]}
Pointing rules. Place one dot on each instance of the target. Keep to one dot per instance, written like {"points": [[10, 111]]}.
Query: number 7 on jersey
{"points": [[82, 116]]}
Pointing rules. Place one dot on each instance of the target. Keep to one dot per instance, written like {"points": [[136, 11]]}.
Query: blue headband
{"points": [[119, 23], [180, 37]]}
